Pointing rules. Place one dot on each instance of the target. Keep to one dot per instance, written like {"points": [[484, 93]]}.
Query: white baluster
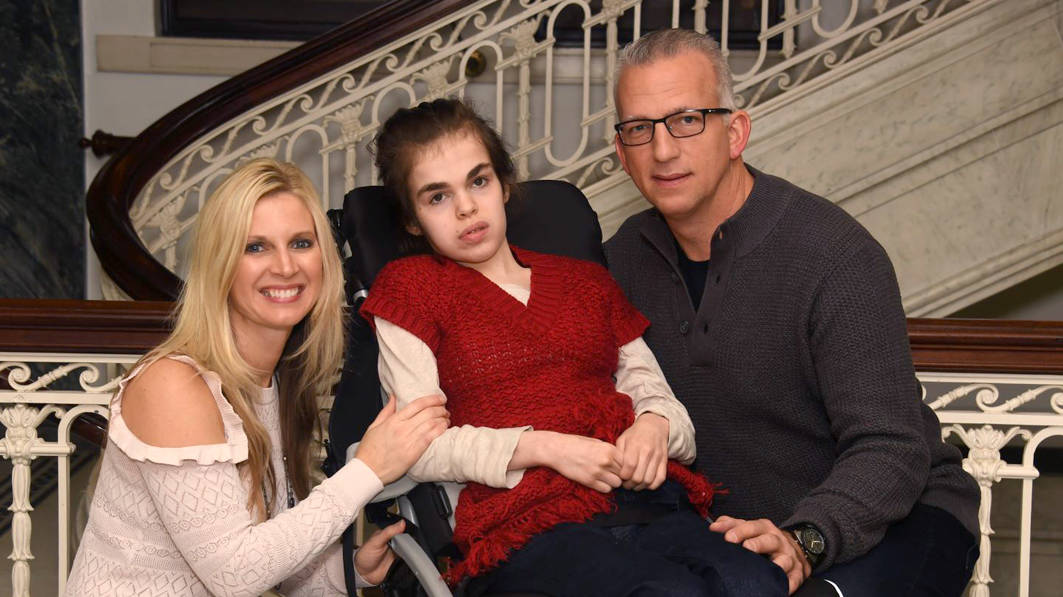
{"points": [[19, 440], [523, 37], [984, 463]]}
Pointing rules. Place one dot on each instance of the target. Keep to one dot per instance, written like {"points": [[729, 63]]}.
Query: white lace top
{"points": [[174, 521]]}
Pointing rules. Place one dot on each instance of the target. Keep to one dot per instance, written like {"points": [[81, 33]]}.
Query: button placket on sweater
{"points": [[720, 261]]}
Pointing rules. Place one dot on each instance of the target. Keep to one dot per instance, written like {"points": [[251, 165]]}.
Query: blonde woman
{"points": [[205, 485]]}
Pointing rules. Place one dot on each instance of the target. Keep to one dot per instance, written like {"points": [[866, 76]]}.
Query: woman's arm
{"points": [[203, 507], [204, 510], [325, 574]]}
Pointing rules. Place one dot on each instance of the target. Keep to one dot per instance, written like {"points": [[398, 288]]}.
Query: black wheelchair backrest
{"points": [[549, 216]]}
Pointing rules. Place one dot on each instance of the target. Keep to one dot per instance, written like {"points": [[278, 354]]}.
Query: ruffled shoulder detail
{"points": [[233, 450]]}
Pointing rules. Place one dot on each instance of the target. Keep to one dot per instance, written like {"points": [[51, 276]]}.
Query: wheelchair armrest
{"points": [[405, 546], [391, 490], [420, 564]]}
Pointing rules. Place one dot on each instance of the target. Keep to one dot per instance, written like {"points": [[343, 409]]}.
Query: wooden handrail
{"points": [[986, 345], [122, 255], [46, 325], [74, 326], [946, 345]]}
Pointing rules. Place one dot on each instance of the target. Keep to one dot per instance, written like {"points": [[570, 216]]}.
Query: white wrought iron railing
{"points": [[30, 401], [552, 101], [1018, 414], [988, 413], [985, 412]]}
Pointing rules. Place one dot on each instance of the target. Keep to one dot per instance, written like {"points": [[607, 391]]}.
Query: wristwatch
{"points": [[811, 542]]}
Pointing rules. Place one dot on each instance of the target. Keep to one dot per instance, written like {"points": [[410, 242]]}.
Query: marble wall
{"points": [[42, 237]]}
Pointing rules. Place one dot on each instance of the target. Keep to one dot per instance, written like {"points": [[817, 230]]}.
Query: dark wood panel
{"points": [[987, 345], [259, 19], [960, 345], [46, 325]]}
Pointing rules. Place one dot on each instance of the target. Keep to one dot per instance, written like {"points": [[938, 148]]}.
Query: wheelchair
{"points": [[547, 216]]}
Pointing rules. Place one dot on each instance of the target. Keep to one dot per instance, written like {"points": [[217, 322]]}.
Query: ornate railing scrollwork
{"points": [[320, 104], [994, 384], [23, 408], [60, 361], [971, 409], [986, 466]]}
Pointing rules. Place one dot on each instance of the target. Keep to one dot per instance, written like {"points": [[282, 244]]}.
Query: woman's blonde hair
{"points": [[310, 362]]}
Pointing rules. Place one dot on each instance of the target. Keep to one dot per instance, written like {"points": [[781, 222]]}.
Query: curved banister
{"points": [[122, 255], [333, 90], [961, 345]]}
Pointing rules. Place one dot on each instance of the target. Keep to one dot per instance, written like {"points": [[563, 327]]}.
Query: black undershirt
{"points": [[694, 274]]}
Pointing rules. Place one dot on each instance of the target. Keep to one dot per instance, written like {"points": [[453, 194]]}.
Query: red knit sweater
{"points": [[501, 364]]}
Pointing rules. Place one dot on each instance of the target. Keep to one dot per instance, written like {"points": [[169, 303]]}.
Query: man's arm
{"points": [[858, 342], [858, 347]]}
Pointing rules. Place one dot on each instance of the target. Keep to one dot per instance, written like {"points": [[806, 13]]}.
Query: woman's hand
{"points": [[644, 446], [585, 460], [373, 560], [396, 440]]}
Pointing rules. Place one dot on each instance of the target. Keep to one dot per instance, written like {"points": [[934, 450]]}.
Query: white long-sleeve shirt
{"points": [[408, 370], [174, 521]]}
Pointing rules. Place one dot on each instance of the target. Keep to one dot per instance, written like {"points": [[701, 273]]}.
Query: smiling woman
{"points": [[279, 276], [207, 466]]}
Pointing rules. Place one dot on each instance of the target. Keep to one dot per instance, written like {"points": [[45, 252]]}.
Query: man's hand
{"points": [[763, 537], [373, 560], [644, 446]]}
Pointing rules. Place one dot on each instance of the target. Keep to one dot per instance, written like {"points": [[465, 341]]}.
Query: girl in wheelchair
{"points": [[569, 438]]}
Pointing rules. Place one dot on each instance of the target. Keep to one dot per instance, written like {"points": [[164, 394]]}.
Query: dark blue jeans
{"points": [[674, 555], [929, 553]]}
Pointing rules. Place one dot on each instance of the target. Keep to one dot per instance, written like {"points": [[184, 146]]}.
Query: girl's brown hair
{"points": [[408, 132]]}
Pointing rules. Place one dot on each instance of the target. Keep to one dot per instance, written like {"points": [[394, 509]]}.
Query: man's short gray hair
{"points": [[665, 43]]}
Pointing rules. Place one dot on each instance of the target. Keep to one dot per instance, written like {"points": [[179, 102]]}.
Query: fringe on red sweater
{"points": [[486, 549]]}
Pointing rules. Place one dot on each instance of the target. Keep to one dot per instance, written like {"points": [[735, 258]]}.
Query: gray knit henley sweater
{"points": [[796, 369]]}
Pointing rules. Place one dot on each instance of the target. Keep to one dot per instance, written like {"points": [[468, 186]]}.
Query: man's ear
{"points": [[738, 132], [620, 153]]}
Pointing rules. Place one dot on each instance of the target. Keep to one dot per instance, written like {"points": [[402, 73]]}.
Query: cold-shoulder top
{"points": [[174, 521]]}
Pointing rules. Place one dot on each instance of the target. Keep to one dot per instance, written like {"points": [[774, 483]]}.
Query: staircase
{"points": [[946, 147], [935, 122]]}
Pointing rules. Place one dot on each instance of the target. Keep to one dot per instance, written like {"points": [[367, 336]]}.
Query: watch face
{"points": [[811, 540]]}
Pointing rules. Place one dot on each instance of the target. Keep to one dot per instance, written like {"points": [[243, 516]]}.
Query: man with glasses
{"points": [[778, 322]]}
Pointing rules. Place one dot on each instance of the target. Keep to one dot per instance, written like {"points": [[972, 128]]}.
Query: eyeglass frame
{"points": [[664, 120]]}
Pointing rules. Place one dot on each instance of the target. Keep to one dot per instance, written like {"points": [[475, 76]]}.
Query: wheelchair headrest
{"points": [[548, 216]]}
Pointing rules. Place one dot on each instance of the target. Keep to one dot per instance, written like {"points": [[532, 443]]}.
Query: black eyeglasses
{"points": [[686, 123]]}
